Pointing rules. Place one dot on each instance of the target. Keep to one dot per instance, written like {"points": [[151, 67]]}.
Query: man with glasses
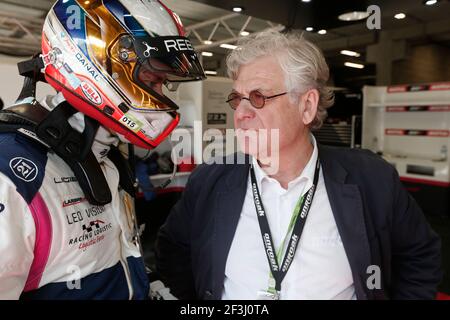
{"points": [[299, 220]]}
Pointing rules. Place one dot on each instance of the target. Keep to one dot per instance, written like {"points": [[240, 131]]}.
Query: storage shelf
{"points": [[407, 104], [415, 160]]}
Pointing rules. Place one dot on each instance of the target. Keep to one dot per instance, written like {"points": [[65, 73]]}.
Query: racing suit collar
{"points": [[104, 139]]}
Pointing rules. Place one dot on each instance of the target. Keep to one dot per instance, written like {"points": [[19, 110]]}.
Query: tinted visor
{"points": [[172, 55], [141, 65]]}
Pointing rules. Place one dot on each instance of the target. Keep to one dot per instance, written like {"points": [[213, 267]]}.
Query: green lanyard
{"points": [[280, 249], [279, 268]]}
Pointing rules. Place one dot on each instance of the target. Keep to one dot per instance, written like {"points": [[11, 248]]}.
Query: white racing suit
{"points": [[53, 243]]}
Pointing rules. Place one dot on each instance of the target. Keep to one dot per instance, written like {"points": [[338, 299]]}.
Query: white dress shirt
{"points": [[320, 269]]}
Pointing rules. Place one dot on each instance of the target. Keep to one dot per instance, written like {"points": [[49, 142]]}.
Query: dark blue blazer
{"points": [[378, 221]]}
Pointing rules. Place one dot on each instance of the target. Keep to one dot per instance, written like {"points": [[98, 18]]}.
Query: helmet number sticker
{"points": [[131, 122]]}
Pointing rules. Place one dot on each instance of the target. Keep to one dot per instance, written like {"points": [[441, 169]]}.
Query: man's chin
{"points": [[252, 148], [251, 142]]}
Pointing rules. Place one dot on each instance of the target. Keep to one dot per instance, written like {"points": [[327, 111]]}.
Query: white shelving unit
{"points": [[410, 127]]}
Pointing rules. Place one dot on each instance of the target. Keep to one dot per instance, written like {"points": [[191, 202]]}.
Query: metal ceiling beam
{"points": [[27, 20], [245, 24], [215, 23], [6, 42], [231, 40], [34, 37], [211, 21], [213, 31], [42, 5], [228, 28]]}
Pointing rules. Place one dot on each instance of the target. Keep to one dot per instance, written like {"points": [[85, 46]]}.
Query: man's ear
{"points": [[309, 101]]}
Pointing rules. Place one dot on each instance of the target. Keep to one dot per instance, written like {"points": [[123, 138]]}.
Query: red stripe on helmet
{"points": [[176, 19], [81, 105]]}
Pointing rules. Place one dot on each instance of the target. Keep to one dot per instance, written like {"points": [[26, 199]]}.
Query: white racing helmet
{"points": [[110, 58]]}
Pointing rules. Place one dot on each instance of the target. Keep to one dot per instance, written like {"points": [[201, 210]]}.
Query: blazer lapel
{"points": [[346, 204], [228, 207]]}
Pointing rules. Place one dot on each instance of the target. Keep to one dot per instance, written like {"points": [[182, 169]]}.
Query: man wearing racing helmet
{"points": [[67, 223]]}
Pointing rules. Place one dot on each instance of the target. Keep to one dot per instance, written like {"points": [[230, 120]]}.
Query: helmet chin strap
{"points": [[75, 149]]}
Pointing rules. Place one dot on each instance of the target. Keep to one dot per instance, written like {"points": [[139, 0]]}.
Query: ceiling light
{"points": [[207, 42], [400, 16], [430, 2], [245, 33], [237, 9], [323, 31], [210, 72], [207, 54], [228, 46], [350, 53], [354, 65], [353, 16], [309, 29], [306, 0]]}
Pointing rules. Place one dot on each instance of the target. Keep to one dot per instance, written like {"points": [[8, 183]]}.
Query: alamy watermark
{"points": [[74, 281], [373, 21], [374, 280], [221, 146]]}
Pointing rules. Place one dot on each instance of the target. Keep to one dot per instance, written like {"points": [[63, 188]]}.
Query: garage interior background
{"points": [[392, 85]]}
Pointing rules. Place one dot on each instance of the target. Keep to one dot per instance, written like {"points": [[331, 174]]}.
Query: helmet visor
{"points": [[173, 55], [141, 65]]}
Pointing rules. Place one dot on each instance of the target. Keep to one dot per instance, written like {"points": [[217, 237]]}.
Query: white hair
{"points": [[302, 62]]}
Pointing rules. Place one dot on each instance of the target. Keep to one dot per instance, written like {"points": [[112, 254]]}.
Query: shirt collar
{"points": [[307, 173]]}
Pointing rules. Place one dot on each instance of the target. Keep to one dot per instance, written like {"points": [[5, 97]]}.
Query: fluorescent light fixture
{"points": [[354, 65], [228, 46], [400, 16], [245, 33], [309, 29], [353, 16], [207, 42], [237, 9], [211, 73], [323, 31], [306, 0], [430, 2], [350, 53], [207, 54]]}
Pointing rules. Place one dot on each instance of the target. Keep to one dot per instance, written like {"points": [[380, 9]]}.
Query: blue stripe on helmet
{"points": [[66, 11], [124, 17]]}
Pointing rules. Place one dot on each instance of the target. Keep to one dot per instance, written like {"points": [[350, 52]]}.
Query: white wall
{"points": [[11, 82]]}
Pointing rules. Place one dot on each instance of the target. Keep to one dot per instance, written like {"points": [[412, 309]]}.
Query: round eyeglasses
{"points": [[256, 98]]}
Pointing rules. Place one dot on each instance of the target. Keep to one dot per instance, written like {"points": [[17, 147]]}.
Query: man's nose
{"points": [[244, 110]]}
